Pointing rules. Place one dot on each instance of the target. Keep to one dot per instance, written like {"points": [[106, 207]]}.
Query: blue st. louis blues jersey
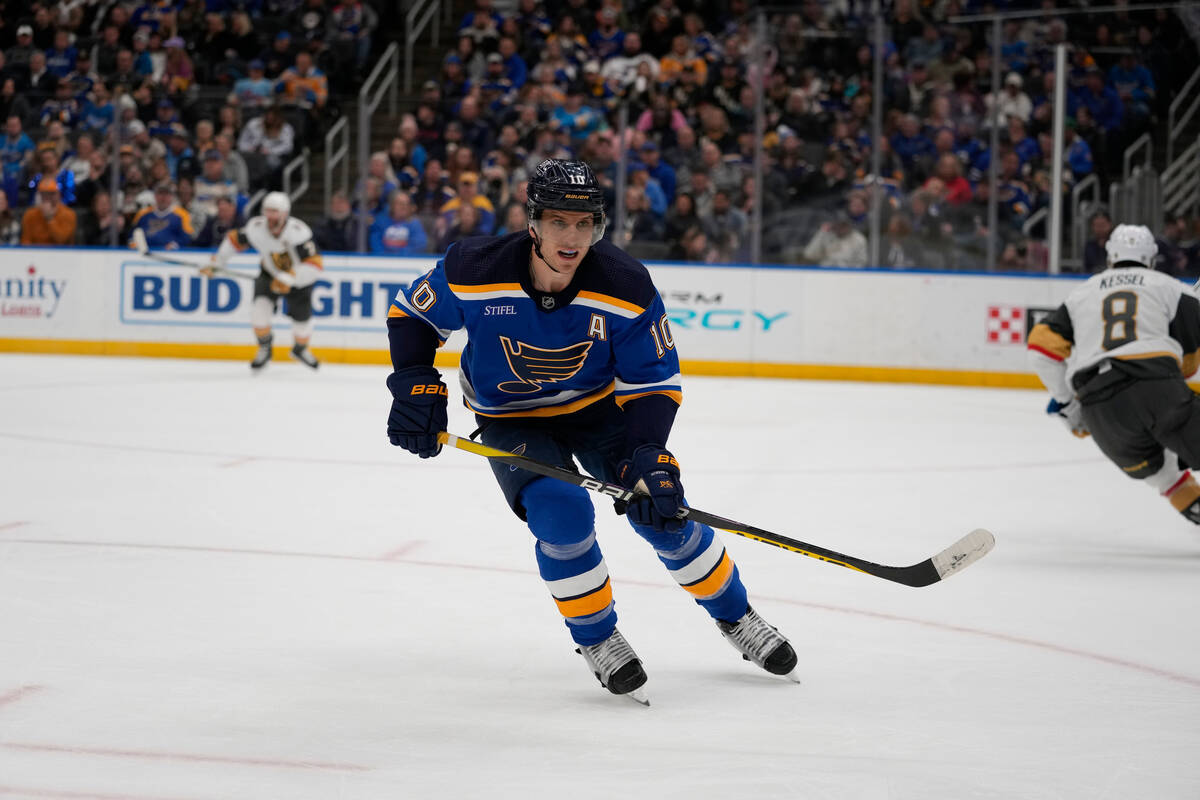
{"points": [[531, 354]]}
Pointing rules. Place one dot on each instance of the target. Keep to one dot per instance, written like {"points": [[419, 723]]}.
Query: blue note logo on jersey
{"points": [[534, 366]]}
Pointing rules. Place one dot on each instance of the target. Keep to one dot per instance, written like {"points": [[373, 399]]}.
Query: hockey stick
{"points": [[955, 558], [143, 249]]}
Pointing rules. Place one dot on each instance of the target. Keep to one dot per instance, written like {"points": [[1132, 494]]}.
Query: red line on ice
{"points": [[237, 462], [1003, 637], [190, 757], [401, 551], [61, 794], [16, 694]]}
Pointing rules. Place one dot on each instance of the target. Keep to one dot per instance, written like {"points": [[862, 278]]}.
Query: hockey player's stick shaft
{"points": [[143, 249], [969, 549]]}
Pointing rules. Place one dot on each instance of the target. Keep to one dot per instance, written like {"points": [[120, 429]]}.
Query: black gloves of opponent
{"points": [[418, 412], [658, 471]]}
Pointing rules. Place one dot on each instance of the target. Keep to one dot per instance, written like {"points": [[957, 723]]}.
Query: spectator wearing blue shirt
{"points": [[379, 169], [255, 90], [15, 150], [98, 112], [1014, 49], [909, 144], [62, 107], [659, 170], [607, 40], [483, 8], [971, 151], [164, 120], [1134, 85], [1079, 153], [1102, 101], [639, 176], [142, 63], [166, 224], [579, 120], [60, 59], [1024, 145], [82, 78], [1012, 192], [149, 14], [515, 68], [398, 232], [48, 165], [181, 159]]}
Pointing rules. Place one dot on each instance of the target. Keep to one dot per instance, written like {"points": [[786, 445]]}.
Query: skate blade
{"points": [[297, 358], [793, 676], [638, 696]]}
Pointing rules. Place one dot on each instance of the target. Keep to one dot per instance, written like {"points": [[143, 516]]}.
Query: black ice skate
{"points": [[616, 666], [264, 352], [302, 354], [761, 643]]}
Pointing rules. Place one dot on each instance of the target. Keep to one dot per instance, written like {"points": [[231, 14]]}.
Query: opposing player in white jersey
{"points": [[291, 265], [1114, 357]]}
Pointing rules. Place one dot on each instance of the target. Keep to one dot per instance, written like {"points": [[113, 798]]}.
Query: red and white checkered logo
{"points": [[1005, 325]]}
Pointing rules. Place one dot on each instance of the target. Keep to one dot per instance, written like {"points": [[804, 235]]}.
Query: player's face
{"points": [[275, 219], [566, 238]]}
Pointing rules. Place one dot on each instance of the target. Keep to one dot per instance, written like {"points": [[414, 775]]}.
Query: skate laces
{"points": [[610, 655], [753, 636]]}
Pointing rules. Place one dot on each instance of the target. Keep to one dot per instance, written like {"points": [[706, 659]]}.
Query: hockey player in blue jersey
{"points": [[569, 357]]}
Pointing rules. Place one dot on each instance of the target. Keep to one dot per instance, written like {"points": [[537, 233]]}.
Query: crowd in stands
{"points": [[547, 79], [210, 98], [186, 108]]}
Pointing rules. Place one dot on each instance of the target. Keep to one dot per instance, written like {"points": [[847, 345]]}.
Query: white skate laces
{"points": [[615, 665], [760, 642]]}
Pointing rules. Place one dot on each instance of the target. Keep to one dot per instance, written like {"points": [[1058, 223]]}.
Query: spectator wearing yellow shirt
{"points": [[468, 194], [303, 86], [681, 55]]}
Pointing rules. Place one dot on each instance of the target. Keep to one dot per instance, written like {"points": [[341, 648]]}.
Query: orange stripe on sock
{"points": [[1184, 492], [711, 584], [588, 604]]}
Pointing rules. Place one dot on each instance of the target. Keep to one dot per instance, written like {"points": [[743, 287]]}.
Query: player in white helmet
{"points": [[291, 265], [1114, 357]]}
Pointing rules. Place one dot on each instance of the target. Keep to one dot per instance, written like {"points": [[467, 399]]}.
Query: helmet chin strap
{"points": [[537, 248]]}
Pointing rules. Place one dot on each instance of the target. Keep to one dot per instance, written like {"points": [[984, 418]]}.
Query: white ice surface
{"points": [[218, 586]]}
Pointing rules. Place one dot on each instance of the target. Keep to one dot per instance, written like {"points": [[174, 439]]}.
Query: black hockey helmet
{"points": [[565, 186]]}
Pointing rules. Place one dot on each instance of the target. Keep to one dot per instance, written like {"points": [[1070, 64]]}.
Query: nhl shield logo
{"points": [[547, 301]]}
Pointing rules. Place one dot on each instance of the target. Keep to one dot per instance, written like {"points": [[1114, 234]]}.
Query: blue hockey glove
{"points": [[658, 471], [418, 410], [1071, 414]]}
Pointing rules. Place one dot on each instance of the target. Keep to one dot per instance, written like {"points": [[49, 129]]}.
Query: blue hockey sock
{"points": [[697, 561], [569, 559]]}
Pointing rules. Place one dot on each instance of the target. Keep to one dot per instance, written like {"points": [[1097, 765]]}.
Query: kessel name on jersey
{"points": [[1122, 279]]}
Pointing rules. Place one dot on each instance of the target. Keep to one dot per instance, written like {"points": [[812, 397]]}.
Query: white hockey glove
{"points": [[282, 282], [1071, 414]]}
